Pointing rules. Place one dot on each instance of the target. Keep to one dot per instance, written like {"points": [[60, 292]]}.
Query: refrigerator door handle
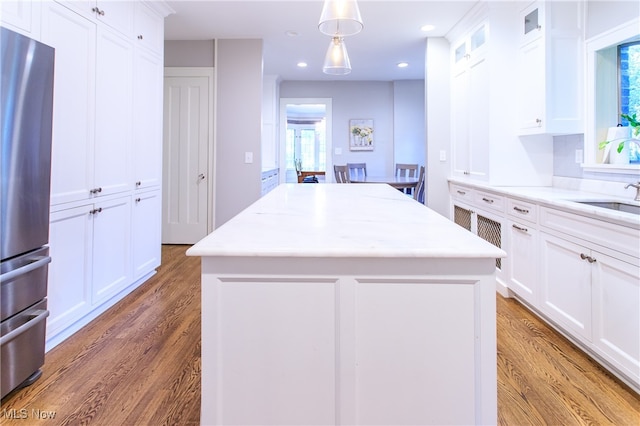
{"points": [[40, 316], [39, 261]]}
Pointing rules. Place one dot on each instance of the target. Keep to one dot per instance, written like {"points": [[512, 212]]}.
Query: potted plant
{"points": [[635, 132]]}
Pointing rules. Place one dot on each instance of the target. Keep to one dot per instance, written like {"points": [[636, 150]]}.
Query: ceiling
{"points": [[392, 33]]}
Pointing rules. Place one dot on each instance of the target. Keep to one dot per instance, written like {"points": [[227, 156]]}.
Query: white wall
{"points": [[437, 124], [354, 100], [238, 126], [409, 122]]}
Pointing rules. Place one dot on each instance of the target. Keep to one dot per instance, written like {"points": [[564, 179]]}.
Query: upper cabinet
{"points": [[21, 16], [116, 14], [549, 97]]}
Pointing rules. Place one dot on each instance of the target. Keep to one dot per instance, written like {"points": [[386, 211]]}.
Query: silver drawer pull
{"points": [[587, 258], [487, 200], [519, 210], [461, 192], [39, 316], [519, 228]]}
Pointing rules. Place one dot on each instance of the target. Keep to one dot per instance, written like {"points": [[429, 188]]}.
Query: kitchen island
{"points": [[346, 304]]}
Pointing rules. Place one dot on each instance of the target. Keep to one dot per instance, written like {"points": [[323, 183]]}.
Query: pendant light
{"points": [[336, 61], [340, 18]]}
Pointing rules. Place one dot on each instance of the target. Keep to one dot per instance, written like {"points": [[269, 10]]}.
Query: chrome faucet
{"points": [[637, 187]]}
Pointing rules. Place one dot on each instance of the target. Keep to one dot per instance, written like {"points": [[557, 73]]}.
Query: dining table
{"points": [[398, 182]]}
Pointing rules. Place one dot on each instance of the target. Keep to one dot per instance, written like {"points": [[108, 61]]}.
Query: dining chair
{"points": [[418, 193], [341, 173], [357, 170], [407, 170]]}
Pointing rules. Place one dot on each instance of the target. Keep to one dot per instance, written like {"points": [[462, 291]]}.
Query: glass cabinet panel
{"points": [[531, 21]]}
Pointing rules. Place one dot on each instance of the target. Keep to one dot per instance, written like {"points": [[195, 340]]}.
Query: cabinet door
{"points": [[531, 22], [531, 97], [523, 261], [21, 16], [118, 14], [114, 110], [566, 285], [74, 39], [111, 248], [460, 128], [146, 232], [69, 287], [478, 117], [147, 150], [616, 313], [149, 29]]}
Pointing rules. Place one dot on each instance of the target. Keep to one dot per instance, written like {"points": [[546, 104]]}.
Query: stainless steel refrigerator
{"points": [[26, 104]]}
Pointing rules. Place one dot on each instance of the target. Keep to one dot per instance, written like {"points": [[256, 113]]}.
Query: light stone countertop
{"points": [[341, 220], [565, 197]]}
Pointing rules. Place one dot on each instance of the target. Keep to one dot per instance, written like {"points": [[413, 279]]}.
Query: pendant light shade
{"points": [[340, 18], [336, 62]]}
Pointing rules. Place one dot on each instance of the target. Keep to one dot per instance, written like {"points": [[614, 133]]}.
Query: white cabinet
{"points": [[70, 271], [117, 14], [481, 213], [21, 16], [566, 285], [114, 113], [145, 231], [147, 107], [549, 98], [74, 102], [107, 154], [522, 261], [111, 248], [470, 94], [616, 312]]}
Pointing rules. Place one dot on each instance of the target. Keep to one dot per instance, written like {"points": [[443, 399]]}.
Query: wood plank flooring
{"points": [[139, 364]]}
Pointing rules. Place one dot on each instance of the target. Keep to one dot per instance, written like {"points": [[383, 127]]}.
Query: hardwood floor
{"points": [[139, 364]]}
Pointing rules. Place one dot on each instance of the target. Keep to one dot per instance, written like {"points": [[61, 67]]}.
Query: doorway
{"points": [[187, 194], [305, 137]]}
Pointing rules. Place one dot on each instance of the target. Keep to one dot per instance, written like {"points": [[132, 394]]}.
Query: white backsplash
{"points": [[615, 189]]}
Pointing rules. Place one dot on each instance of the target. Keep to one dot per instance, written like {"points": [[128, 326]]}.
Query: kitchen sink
{"points": [[614, 205]]}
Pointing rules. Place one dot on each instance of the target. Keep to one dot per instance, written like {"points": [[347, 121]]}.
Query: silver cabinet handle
{"points": [[487, 200], [96, 211], [138, 200], [98, 11], [587, 258], [40, 315], [138, 183], [140, 37], [38, 262], [96, 190], [461, 192], [201, 176], [519, 210], [519, 228]]}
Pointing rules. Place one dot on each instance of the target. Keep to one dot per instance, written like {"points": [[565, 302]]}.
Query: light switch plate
{"points": [[338, 151], [443, 155], [248, 157]]}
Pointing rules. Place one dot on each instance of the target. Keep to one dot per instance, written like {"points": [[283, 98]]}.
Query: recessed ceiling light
{"points": [[427, 28], [302, 64], [403, 64]]}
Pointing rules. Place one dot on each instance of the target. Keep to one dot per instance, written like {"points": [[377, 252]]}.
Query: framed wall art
{"points": [[361, 135]]}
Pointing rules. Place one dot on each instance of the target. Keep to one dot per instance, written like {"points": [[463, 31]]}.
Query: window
{"points": [[306, 145], [629, 84], [611, 61]]}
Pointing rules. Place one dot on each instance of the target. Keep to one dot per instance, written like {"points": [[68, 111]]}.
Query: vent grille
{"points": [[491, 231], [462, 217]]}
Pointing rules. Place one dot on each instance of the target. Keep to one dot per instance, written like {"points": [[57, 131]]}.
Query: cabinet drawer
{"points": [[522, 210], [610, 235], [462, 193], [489, 201]]}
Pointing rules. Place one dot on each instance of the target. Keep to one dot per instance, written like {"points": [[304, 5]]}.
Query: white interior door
{"points": [[187, 171]]}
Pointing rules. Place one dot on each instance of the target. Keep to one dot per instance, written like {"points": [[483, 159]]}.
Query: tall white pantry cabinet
{"points": [[107, 150]]}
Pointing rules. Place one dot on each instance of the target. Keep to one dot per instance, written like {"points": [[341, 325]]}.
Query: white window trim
{"points": [[614, 36]]}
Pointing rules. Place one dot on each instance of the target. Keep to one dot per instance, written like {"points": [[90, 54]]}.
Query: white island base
{"points": [[381, 315]]}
